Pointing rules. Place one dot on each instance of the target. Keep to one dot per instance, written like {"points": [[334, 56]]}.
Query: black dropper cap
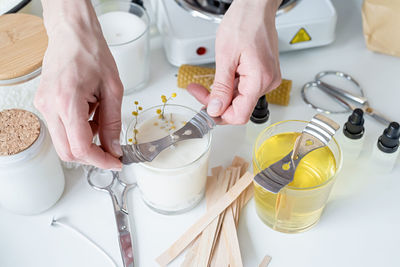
{"points": [[261, 112], [388, 142], [354, 127]]}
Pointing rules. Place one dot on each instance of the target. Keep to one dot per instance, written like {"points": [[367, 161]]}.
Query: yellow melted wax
{"points": [[290, 210]]}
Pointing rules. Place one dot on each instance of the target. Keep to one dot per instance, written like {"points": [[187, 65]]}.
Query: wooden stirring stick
{"points": [[218, 244], [226, 200], [212, 189], [208, 236], [265, 262], [227, 179], [224, 253], [229, 230]]}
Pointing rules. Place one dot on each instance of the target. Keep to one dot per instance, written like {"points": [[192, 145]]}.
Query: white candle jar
{"points": [[31, 177], [125, 27], [174, 182]]}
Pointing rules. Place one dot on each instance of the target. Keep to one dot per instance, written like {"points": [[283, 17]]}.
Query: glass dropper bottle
{"points": [[259, 120], [352, 138], [387, 149]]}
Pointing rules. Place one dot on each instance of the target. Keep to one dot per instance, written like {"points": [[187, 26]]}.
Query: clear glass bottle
{"points": [[31, 176], [387, 149], [352, 137], [259, 120]]}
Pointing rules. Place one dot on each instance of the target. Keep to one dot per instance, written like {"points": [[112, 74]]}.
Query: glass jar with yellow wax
{"points": [[298, 206]]}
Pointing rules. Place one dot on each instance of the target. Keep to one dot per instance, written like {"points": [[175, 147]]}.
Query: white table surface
{"points": [[359, 227]]}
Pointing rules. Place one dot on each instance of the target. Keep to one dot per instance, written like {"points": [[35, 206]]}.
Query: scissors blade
{"points": [[377, 116], [124, 238], [341, 93]]}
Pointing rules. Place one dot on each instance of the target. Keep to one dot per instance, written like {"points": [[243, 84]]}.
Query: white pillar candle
{"points": [[175, 180], [128, 39]]}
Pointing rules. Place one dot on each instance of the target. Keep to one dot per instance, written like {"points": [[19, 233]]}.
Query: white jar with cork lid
{"points": [[31, 177]]}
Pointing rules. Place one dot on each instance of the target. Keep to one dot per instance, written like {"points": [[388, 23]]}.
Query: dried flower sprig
{"points": [[135, 113], [164, 99]]}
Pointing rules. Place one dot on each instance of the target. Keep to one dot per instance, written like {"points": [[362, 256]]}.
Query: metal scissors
{"points": [[343, 97], [118, 190]]}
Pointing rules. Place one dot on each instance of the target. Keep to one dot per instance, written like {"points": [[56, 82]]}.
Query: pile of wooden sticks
{"points": [[214, 237]]}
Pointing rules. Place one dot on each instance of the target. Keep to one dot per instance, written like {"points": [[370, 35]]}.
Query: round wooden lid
{"points": [[23, 41]]}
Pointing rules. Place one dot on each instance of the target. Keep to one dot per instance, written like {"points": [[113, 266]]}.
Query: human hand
{"points": [[80, 80], [247, 61]]}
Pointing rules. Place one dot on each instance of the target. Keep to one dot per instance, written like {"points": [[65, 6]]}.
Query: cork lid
{"points": [[19, 129], [23, 41]]}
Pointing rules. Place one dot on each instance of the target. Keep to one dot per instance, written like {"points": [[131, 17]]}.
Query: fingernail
{"points": [[116, 147], [116, 169], [214, 107]]}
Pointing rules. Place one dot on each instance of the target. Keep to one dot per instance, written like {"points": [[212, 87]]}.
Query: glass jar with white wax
{"points": [[125, 27], [31, 177], [174, 182]]}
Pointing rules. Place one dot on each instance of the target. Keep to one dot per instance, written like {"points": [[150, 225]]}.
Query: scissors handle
{"points": [[339, 100], [341, 93]]}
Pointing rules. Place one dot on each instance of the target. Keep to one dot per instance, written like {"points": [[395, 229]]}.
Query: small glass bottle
{"points": [[259, 120], [31, 177], [352, 137], [387, 149]]}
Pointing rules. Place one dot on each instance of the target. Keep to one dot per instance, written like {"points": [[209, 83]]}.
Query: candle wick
{"points": [[56, 222]]}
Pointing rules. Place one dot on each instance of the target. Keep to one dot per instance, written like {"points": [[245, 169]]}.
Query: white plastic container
{"points": [[32, 180], [175, 180]]}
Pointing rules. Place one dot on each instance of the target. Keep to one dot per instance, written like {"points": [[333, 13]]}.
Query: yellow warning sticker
{"points": [[301, 36]]}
